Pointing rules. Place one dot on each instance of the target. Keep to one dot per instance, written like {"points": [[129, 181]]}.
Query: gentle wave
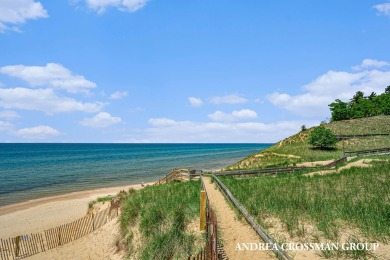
{"points": [[29, 171]]}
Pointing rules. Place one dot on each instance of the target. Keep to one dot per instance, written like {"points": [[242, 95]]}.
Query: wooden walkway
{"points": [[178, 175], [232, 230]]}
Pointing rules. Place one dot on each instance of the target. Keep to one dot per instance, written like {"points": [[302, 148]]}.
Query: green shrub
{"points": [[322, 138]]}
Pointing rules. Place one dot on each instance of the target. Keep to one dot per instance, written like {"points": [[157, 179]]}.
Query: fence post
{"points": [[59, 236], [17, 246], [93, 222], [202, 210]]}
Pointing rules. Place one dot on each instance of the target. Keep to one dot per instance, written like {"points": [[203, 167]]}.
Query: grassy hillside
{"points": [[295, 149], [342, 206], [162, 222]]}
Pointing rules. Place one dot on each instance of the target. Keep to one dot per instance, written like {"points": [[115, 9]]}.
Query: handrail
{"points": [[278, 250], [174, 175]]}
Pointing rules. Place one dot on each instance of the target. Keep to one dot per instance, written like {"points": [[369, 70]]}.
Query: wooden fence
{"points": [[211, 250], [278, 250], [178, 175], [261, 171], [276, 170], [368, 152], [27, 245], [334, 163]]}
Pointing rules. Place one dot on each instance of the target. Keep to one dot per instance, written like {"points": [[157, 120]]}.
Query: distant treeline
{"points": [[361, 106]]}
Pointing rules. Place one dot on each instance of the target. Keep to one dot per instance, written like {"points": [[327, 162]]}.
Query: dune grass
{"points": [[295, 149], [162, 214], [357, 196], [366, 125], [101, 199]]}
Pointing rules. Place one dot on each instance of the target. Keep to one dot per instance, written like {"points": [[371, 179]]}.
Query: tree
{"points": [[322, 138], [372, 96], [303, 128], [387, 90], [340, 110], [357, 97]]}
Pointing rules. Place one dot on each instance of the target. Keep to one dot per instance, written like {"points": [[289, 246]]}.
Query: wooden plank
{"points": [[202, 210], [9, 248], [4, 252]]}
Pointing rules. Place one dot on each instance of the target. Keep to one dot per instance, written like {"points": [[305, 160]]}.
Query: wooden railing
{"points": [[278, 250], [211, 251], [175, 175], [368, 152], [262, 171]]}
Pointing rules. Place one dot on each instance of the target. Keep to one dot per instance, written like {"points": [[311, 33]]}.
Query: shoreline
{"points": [[11, 208], [38, 215]]}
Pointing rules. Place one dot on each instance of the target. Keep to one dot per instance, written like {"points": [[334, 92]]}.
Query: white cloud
{"points": [[371, 63], [16, 12], [102, 119], [383, 9], [53, 75], [242, 114], [44, 100], [100, 6], [119, 95], [161, 121], [37, 132], [5, 126], [9, 114], [330, 86], [228, 99], [220, 116], [195, 102], [171, 131]]}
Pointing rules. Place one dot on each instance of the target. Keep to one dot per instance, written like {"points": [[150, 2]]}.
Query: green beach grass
{"points": [[159, 218], [356, 198]]}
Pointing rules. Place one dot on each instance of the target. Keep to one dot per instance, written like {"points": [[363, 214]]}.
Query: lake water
{"points": [[30, 171]]}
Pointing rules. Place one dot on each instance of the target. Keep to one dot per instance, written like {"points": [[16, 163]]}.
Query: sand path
{"points": [[232, 230]]}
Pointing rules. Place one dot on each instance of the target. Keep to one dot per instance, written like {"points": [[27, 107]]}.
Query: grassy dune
{"points": [[295, 149], [356, 198], [160, 222]]}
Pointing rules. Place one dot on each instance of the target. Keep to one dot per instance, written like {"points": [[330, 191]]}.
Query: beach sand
{"points": [[40, 214]]}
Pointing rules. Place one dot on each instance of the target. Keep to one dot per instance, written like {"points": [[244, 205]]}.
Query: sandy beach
{"points": [[40, 214]]}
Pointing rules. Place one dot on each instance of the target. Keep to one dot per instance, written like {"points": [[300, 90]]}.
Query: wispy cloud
{"points": [[167, 130], [119, 95], [37, 132], [330, 86], [243, 114], [16, 12], [9, 114], [228, 99], [100, 6], [371, 63], [162, 121], [52, 75], [102, 119], [383, 9], [5, 126], [195, 102], [44, 100]]}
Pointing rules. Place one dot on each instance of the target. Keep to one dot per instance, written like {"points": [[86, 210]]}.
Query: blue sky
{"points": [[183, 71]]}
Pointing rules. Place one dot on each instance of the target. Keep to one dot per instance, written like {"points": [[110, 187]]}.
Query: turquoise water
{"points": [[30, 171]]}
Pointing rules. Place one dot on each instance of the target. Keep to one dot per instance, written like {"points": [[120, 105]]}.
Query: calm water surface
{"points": [[29, 171]]}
